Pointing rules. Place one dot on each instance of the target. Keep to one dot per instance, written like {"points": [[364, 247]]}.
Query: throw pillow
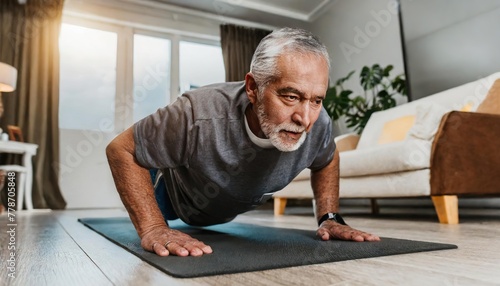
{"points": [[427, 121], [467, 107], [396, 130], [491, 104]]}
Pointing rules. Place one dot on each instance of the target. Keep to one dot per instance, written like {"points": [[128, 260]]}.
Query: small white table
{"points": [[28, 150]]}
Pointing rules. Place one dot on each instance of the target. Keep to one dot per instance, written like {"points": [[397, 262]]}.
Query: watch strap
{"points": [[332, 216]]}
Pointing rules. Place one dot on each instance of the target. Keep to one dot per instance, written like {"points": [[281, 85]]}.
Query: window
{"points": [[151, 74], [111, 76], [200, 64], [87, 78]]}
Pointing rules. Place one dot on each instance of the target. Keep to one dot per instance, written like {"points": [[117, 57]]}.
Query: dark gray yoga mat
{"points": [[243, 247]]}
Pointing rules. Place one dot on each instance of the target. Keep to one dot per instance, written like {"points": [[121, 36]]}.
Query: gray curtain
{"points": [[238, 45], [29, 36]]}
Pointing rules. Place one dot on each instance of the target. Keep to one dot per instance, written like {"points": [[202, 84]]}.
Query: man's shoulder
{"points": [[323, 122], [220, 100]]}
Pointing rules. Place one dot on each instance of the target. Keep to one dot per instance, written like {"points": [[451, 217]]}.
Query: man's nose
{"points": [[301, 115]]}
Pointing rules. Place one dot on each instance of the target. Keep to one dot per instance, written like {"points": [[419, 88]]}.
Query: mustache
{"points": [[291, 128]]}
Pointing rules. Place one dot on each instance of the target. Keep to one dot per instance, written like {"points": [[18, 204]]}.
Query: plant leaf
{"points": [[371, 77], [336, 104], [340, 81], [387, 70], [399, 84]]}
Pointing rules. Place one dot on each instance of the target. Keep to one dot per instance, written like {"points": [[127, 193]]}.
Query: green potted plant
{"points": [[380, 91]]}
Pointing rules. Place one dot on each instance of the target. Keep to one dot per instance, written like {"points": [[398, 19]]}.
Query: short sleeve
{"points": [[163, 139], [325, 136]]}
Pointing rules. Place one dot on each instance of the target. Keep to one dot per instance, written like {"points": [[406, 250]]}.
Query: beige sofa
{"points": [[433, 147]]}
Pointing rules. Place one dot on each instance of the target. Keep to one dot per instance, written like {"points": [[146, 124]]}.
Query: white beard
{"points": [[272, 131]]}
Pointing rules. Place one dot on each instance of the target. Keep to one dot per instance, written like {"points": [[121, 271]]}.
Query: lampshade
{"points": [[8, 77]]}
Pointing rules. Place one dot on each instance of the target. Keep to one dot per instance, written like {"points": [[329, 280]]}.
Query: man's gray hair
{"points": [[264, 60]]}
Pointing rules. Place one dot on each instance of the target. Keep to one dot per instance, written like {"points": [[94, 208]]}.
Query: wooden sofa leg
{"points": [[446, 208], [279, 206]]}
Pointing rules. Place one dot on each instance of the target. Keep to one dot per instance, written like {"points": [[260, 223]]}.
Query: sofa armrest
{"points": [[464, 157], [347, 142]]}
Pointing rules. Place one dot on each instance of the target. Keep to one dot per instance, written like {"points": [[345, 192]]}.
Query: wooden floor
{"points": [[54, 249]]}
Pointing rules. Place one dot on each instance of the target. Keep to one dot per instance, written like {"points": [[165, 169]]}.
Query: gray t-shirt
{"points": [[213, 170]]}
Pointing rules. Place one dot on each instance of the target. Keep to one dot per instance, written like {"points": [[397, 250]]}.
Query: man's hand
{"points": [[163, 241], [333, 230]]}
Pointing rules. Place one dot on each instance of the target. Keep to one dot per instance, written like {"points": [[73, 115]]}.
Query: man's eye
{"points": [[317, 101], [291, 97]]}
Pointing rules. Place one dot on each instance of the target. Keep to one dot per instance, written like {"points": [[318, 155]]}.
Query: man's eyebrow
{"points": [[290, 89]]}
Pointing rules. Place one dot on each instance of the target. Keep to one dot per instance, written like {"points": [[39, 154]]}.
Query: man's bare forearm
{"points": [[133, 183], [326, 191], [325, 184]]}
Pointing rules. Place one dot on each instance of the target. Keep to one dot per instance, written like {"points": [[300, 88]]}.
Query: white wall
{"points": [[456, 43], [359, 33], [86, 180]]}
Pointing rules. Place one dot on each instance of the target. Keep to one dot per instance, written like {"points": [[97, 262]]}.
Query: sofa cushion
{"points": [[304, 175], [395, 185], [468, 107], [491, 104], [346, 142], [401, 156], [427, 121], [396, 130], [403, 184], [297, 190]]}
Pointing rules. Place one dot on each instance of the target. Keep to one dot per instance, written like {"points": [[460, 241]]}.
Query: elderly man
{"points": [[223, 149]]}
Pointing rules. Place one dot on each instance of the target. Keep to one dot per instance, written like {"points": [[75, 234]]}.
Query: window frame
{"points": [[192, 40], [124, 100], [121, 61]]}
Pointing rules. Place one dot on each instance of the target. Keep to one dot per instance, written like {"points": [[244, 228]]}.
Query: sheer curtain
{"points": [[29, 36], [238, 45]]}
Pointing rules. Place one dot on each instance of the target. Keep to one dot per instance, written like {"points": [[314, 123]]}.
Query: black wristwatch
{"points": [[332, 216]]}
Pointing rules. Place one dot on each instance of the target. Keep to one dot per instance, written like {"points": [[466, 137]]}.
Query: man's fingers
{"points": [[176, 249], [193, 248], [160, 249], [203, 247], [344, 232], [363, 236], [183, 248], [338, 231], [323, 233], [351, 234], [371, 237], [165, 241]]}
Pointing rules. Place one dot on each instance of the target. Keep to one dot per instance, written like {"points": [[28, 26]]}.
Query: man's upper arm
{"points": [[122, 142], [325, 144], [162, 139]]}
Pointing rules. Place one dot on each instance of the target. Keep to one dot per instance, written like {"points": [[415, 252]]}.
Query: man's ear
{"points": [[251, 88]]}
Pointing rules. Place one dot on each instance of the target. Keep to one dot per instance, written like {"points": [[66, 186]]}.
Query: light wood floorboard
{"points": [[55, 249]]}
